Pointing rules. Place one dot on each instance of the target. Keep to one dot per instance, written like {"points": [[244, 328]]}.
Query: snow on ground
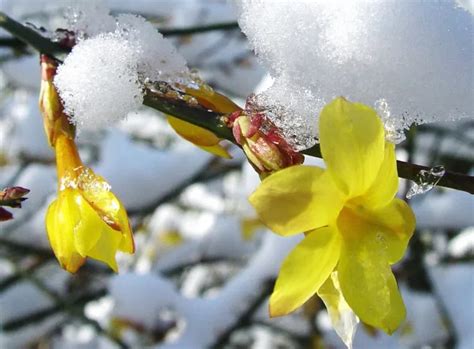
{"points": [[140, 175], [444, 209], [455, 286]]}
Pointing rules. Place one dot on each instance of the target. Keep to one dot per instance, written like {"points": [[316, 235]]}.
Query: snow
{"points": [[463, 244], [455, 285], [101, 80], [26, 137], [129, 290], [413, 333], [204, 317], [140, 175], [88, 18], [22, 299], [30, 68], [444, 209], [98, 81], [366, 51], [29, 220], [158, 58]]}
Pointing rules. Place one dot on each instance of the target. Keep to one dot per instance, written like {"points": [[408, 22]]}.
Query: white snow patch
{"points": [[98, 81], [140, 175], [26, 137], [463, 244], [455, 286], [415, 56], [101, 80], [447, 209], [87, 18]]}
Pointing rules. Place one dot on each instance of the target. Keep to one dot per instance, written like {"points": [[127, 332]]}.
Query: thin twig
{"points": [[21, 248], [42, 314], [224, 26], [12, 43], [12, 279], [30, 37], [16, 43]]}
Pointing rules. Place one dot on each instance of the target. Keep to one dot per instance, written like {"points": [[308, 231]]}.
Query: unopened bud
{"points": [[13, 193], [12, 196], [54, 119], [263, 145]]}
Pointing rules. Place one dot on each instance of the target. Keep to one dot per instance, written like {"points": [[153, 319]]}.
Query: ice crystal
{"points": [[425, 181]]}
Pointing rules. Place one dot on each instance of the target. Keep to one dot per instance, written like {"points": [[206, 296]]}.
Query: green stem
{"points": [[196, 115], [209, 120]]}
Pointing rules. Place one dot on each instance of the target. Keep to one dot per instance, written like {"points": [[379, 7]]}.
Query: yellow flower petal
{"points": [[297, 199], [304, 270], [194, 134], [343, 319], [352, 144], [213, 100], [61, 220], [106, 247], [248, 227], [398, 222], [217, 150], [127, 243], [204, 139], [365, 276], [87, 230], [385, 186], [109, 208]]}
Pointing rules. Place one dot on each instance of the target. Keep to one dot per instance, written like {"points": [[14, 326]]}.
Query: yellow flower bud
{"points": [[54, 119], [87, 219]]}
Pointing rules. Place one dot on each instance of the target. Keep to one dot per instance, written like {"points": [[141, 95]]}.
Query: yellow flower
{"points": [[353, 223], [86, 220]]}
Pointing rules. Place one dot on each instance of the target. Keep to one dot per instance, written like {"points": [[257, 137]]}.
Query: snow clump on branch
{"points": [[101, 80], [412, 60]]}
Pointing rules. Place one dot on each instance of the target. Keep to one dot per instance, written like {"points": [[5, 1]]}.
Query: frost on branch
{"points": [[415, 57], [101, 80]]}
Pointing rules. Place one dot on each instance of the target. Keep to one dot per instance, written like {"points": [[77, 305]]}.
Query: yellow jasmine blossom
{"points": [[352, 221], [205, 139], [86, 220]]}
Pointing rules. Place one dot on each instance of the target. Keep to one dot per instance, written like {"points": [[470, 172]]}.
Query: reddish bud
{"points": [[262, 143]]}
